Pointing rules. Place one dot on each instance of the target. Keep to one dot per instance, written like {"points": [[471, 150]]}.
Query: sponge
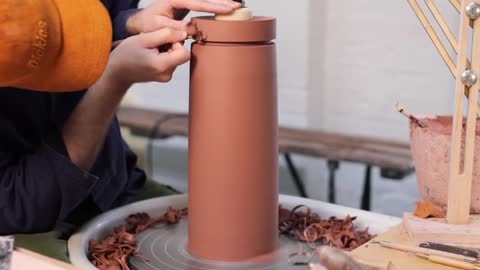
{"points": [[241, 14]]}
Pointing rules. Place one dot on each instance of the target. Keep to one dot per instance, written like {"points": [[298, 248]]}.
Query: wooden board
{"points": [[401, 260], [437, 230], [23, 259], [315, 143]]}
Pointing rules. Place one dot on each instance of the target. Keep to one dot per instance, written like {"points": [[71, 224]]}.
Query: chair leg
{"points": [[367, 187], [295, 176], [332, 168]]}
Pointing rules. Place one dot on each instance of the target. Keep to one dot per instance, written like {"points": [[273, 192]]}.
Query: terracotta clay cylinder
{"points": [[233, 152]]}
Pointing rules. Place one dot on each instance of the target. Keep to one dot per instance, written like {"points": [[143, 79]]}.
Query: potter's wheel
{"points": [[165, 246]]}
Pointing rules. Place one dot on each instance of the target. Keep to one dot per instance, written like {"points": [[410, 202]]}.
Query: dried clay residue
{"points": [[196, 34], [309, 227], [113, 252], [426, 209]]}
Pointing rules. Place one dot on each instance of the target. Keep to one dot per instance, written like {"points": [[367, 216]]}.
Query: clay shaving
{"points": [[195, 34], [426, 209], [414, 119], [114, 251], [308, 227]]}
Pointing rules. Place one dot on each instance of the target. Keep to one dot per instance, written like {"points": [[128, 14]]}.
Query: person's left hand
{"points": [[170, 13]]}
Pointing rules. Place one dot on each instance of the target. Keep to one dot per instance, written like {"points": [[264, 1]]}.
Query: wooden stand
{"points": [[23, 259], [439, 231], [458, 227], [373, 254]]}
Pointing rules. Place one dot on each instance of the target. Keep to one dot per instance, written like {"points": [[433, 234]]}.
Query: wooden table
{"points": [[374, 253], [23, 259]]}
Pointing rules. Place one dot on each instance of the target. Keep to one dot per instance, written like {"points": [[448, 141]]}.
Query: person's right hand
{"points": [[170, 13], [138, 58]]}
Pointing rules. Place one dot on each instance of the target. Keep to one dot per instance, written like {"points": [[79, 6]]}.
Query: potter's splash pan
{"points": [[165, 246]]}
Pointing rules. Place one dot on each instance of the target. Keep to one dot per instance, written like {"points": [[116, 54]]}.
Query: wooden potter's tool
{"points": [[424, 251], [459, 227], [449, 262]]}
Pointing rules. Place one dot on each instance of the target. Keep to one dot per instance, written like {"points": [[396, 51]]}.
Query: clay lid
{"points": [[258, 29]]}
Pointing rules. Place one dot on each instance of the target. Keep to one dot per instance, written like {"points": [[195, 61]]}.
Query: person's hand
{"points": [[169, 13], [138, 58]]}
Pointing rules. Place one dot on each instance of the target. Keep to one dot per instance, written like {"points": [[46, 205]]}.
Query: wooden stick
{"points": [[437, 42], [433, 36], [443, 24], [460, 181], [448, 262], [456, 4], [414, 119]]}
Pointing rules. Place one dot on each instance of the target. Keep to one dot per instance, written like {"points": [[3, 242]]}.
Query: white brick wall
{"points": [[373, 54]]}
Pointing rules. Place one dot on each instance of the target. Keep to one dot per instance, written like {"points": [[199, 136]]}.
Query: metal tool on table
{"points": [[451, 249], [426, 251]]}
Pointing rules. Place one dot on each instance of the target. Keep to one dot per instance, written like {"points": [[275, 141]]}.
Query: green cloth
{"points": [[52, 244]]}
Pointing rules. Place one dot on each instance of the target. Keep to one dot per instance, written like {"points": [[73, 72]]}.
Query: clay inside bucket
{"points": [[430, 148]]}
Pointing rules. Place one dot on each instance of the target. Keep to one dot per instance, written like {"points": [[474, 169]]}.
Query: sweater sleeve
{"points": [[121, 11], [39, 189]]}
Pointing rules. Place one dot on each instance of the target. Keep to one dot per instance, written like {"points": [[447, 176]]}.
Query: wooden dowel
{"points": [[408, 115], [437, 42], [443, 24], [456, 4], [433, 36], [460, 180], [448, 262]]}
